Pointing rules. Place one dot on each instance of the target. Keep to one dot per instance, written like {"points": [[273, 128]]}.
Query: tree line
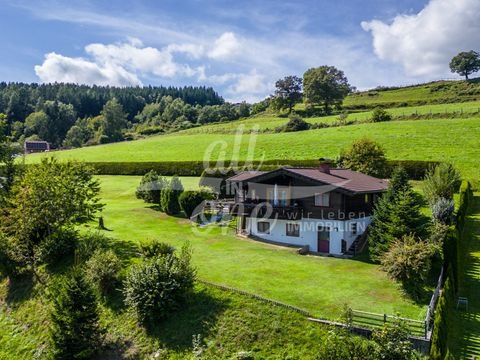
{"points": [[100, 114]]}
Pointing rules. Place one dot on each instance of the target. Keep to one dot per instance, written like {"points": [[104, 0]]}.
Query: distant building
{"points": [[36, 146]]}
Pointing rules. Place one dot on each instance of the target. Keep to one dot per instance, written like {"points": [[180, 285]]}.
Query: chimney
{"points": [[325, 165]]}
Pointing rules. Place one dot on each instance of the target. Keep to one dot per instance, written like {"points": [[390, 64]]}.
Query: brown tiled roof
{"points": [[246, 175], [346, 179]]}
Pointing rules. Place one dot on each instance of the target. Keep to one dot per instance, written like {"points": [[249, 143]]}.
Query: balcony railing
{"points": [[268, 211]]}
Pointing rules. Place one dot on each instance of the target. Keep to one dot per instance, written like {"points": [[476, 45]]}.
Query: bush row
{"points": [[453, 253], [416, 169]]}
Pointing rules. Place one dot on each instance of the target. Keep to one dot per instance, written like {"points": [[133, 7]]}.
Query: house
{"points": [[36, 146], [324, 208]]}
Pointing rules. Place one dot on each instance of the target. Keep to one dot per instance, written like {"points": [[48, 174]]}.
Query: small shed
{"points": [[36, 146]]}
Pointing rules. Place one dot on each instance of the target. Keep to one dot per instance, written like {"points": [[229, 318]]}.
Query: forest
{"points": [[70, 115]]}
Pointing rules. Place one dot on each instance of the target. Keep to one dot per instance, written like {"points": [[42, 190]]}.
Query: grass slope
{"points": [[274, 272], [434, 92], [270, 122], [453, 140], [225, 322]]}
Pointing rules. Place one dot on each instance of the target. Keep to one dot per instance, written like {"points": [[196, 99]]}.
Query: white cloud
{"points": [[250, 87], [225, 47], [116, 64], [424, 43], [58, 68]]}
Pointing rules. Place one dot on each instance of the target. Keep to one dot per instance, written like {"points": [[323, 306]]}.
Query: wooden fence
{"points": [[371, 320], [417, 328]]}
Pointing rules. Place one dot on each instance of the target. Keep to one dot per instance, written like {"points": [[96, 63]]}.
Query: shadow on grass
{"points": [[180, 215], [197, 318], [466, 323], [20, 288], [125, 250]]}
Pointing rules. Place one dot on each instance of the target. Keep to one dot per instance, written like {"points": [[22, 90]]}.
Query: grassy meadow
{"points": [[452, 140], [433, 92], [271, 271]]}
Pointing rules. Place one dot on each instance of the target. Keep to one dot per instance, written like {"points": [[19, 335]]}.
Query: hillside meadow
{"points": [[451, 140]]}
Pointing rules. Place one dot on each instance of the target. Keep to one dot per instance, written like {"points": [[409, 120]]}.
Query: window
{"points": [[367, 199], [282, 198], [293, 229], [322, 199], [354, 228], [263, 227], [323, 233]]}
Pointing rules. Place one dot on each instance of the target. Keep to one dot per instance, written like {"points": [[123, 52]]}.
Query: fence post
{"points": [[426, 330], [384, 318]]}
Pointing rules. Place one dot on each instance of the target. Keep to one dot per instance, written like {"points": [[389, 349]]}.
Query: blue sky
{"points": [[238, 47]]}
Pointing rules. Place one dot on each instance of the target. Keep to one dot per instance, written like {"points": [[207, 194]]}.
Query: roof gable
{"points": [[348, 180]]}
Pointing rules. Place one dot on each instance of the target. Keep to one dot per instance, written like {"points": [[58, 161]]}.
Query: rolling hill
{"points": [[440, 132]]}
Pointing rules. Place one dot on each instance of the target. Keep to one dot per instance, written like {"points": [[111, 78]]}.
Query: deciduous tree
{"points": [[465, 63], [288, 91], [326, 86]]}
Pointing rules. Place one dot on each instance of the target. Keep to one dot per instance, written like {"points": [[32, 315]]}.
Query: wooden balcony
{"points": [[263, 210]]}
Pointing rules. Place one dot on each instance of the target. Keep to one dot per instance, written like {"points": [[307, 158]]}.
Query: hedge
{"points": [[453, 252], [443, 314], [415, 169]]}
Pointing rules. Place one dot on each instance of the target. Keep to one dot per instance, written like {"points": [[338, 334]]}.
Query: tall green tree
{"points": [[465, 63], [7, 160], [288, 92], [75, 329], [396, 214], [46, 199], [114, 121], [37, 123], [326, 86]]}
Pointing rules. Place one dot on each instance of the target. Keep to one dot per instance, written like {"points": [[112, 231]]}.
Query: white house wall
{"points": [[308, 232]]}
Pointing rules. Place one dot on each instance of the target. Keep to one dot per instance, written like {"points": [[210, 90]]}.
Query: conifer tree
{"points": [[396, 214], [169, 197], [75, 330]]}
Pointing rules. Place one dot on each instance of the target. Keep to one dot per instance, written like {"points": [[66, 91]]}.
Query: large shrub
{"points": [[342, 345], [102, 270], [441, 181], [151, 187], [9, 266], [409, 261], [89, 243], [58, 245], [442, 211], [153, 248], [364, 155], [159, 285], [380, 115], [393, 342], [169, 197], [75, 329], [190, 200], [296, 123]]}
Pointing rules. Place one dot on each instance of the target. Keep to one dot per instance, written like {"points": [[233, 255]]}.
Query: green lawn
{"points": [[321, 285], [270, 122], [466, 326], [453, 140]]}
